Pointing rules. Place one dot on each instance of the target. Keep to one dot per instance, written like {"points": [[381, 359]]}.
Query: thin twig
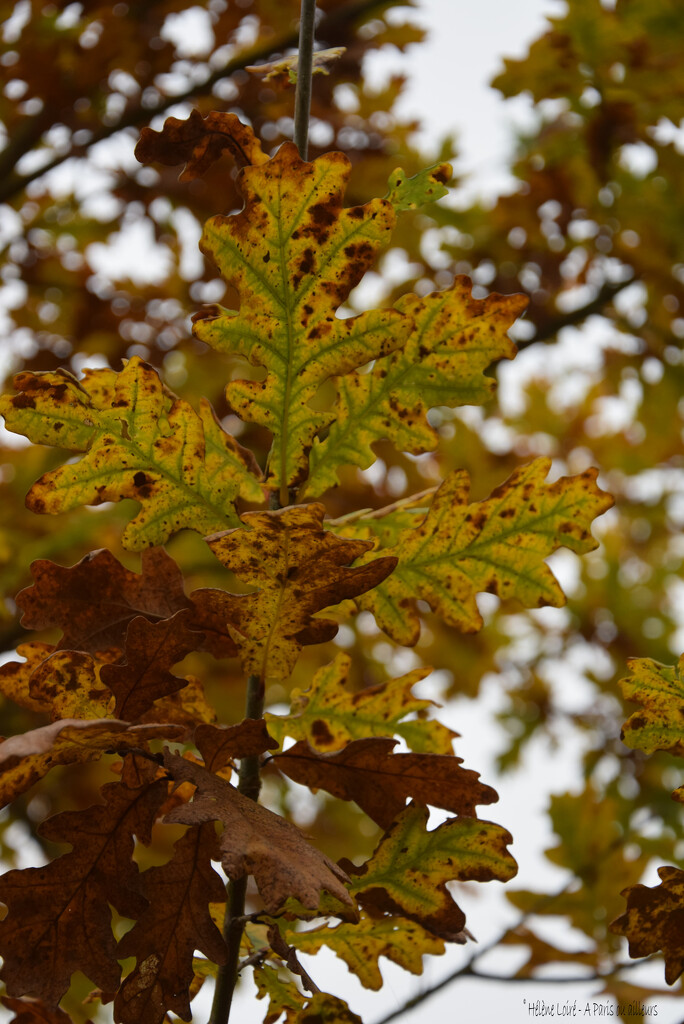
{"points": [[14, 184], [234, 921], [307, 27]]}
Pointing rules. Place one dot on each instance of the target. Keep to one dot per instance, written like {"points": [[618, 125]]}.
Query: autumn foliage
{"points": [[196, 681]]}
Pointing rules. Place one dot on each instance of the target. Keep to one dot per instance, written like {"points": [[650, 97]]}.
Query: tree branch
{"points": [[14, 184], [234, 920], [302, 111], [606, 294]]}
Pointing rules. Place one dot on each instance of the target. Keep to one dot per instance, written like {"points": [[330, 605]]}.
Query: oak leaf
{"points": [[284, 72], [362, 944], [654, 920], [69, 684], [93, 601], [324, 1008], [283, 995], [256, 841], [427, 186], [59, 915], [176, 922], [294, 254], [151, 648], [299, 568], [140, 442], [410, 867], [497, 545], [660, 691], [26, 758], [15, 676], [218, 745], [327, 715], [453, 341], [199, 142], [380, 782]]}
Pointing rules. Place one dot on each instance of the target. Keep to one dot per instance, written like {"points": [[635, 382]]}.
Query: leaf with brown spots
{"points": [[151, 648], [299, 568], [443, 362], [59, 919], [293, 255], [26, 758], [176, 922], [256, 841], [283, 72], [660, 691], [327, 715], [69, 684], [362, 944], [410, 867], [198, 142], [654, 920], [381, 782], [497, 545], [140, 442]]}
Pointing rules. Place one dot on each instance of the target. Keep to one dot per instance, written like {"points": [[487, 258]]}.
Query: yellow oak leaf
{"points": [[294, 254], [140, 442], [660, 691], [453, 341], [328, 716], [497, 545]]}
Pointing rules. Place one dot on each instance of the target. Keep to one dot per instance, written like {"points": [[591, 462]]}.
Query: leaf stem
{"points": [[304, 77], [234, 922]]}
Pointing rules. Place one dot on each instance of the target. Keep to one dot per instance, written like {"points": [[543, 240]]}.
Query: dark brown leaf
{"points": [[59, 919], [654, 920], [32, 1011], [381, 782], [218, 745], [176, 922]]}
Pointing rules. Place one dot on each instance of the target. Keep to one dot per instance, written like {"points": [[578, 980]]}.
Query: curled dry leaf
{"points": [[300, 568], [26, 758], [257, 842], [59, 915], [381, 782], [198, 142]]}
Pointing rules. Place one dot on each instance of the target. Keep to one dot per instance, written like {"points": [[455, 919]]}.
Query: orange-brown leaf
{"points": [[381, 782], [198, 142], [176, 922], [256, 841], [218, 745], [33, 1011], [58, 918]]}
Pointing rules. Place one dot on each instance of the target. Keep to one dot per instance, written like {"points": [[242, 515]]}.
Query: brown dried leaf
{"points": [[198, 142], [381, 782], [151, 649], [58, 915], [176, 922], [256, 841], [93, 601], [32, 1011], [299, 569], [218, 745], [26, 758]]}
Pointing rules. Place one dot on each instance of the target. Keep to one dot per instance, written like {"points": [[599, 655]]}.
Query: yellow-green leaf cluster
{"points": [[660, 691]]}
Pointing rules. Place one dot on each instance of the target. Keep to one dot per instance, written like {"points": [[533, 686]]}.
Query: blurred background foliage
{"points": [[99, 262]]}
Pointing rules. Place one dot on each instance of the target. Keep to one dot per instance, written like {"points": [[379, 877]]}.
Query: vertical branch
{"points": [[304, 77], [233, 923]]}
